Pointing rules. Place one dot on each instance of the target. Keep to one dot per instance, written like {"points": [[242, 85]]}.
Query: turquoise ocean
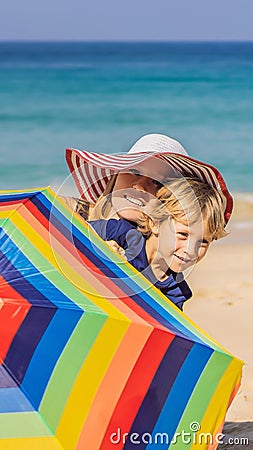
{"points": [[103, 96]]}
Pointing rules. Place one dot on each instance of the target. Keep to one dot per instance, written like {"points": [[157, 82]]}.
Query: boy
{"points": [[172, 234]]}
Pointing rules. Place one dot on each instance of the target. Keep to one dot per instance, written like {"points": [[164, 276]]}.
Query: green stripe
{"points": [[200, 398], [68, 366], [128, 270], [141, 281], [49, 271], [17, 192], [21, 425]]}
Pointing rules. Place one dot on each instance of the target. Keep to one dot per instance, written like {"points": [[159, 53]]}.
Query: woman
{"points": [[127, 181], [120, 185]]}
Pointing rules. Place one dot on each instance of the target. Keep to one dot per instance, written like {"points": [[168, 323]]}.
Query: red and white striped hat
{"points": [[92, 171]]}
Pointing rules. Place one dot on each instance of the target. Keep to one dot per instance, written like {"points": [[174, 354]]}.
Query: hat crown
{"points": [[157, 143]]}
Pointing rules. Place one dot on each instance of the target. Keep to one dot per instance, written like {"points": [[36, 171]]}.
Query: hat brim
{"points": [[92, 171]]}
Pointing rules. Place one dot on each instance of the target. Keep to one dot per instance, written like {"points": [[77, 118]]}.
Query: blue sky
{"points": [[126, 20]]}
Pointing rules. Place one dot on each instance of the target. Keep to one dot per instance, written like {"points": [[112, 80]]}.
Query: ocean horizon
{"points": [[102, 96]]}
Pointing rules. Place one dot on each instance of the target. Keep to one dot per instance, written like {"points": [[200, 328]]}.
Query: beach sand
{"points": [[222, 305]]}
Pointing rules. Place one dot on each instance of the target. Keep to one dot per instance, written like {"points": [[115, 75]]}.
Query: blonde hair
{"points": [[187, 200]]}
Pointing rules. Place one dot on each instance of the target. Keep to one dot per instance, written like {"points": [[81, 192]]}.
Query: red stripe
{"points": [[77, 170], [213, 173], [223, 187], [18, 202], [84, 172], [99, 183], [79, 174], [69, 159], [69, 156], [37, 214], [193, 166], [119, 293], [179, 168], [12, 313], [15, 307], [190, 170], [114, 162], [202, 170], [70, 247], [137, 386], [94, 181]]}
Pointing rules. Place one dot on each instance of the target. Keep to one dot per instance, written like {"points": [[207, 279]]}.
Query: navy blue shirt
{"points": [[134, 244]]}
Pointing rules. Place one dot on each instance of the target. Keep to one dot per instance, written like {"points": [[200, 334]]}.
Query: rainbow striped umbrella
{"points": [[92, 355]]}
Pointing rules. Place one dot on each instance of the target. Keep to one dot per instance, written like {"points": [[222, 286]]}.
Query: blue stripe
{"points": [[6, 380], [110, 269], [159, 389], [26, 279], [18, 196], [13, 400], [129, 286], [37, 319], [26, 340], [51, 212], [47, 353], [12, 264], [180, 394]]}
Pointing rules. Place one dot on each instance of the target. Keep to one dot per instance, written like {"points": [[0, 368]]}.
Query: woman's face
{"points": [[135, 188]]}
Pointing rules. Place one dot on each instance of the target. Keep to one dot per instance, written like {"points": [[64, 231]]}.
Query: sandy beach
{"points": [[223, 306]]}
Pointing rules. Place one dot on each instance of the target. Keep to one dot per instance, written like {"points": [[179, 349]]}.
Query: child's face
{"points": [[181, 245], [134, 189]]}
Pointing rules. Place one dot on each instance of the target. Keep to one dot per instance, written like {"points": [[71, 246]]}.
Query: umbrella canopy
{"points": [[92, 355]]}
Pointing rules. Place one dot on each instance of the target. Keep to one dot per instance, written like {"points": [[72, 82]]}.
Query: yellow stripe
{"points": [[220, 397], [24, 191], [88, 381], [148, 285], [40, 443], [79, 282], [57, 261]]}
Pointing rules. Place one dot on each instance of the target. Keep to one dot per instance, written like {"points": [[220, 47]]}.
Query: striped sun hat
{"points": [[92, 171]]}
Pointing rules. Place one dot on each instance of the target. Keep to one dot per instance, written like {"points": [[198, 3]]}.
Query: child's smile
{"points": [[177, 246]]}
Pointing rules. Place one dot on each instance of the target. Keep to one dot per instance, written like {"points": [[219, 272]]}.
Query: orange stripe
{"points": [[137, 385], [213, 446], [90, 272], [112, 386], [236, 389], [12, 314], [66, 249]]}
